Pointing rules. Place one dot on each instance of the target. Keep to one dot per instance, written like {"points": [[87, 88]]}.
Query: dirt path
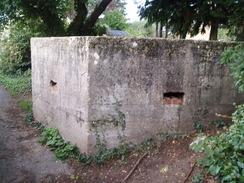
{"points": [[22, 159]]}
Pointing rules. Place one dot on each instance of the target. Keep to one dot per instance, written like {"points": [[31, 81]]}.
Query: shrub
{"points": [[223, 154], [234, 57], [15, 49]]}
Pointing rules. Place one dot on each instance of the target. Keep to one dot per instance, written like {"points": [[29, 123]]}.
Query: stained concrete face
{"points": [[162, 86]]}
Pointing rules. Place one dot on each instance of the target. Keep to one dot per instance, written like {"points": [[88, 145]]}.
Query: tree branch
{"points": [[132, 170], [77, 24], [91, 20]]}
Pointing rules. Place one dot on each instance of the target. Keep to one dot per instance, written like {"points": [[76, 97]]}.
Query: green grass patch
{"points": [[25, 105], [17, 84]]}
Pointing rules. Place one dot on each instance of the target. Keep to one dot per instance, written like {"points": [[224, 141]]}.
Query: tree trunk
{"points": [[90, 22], [166, 32], [214, 29], [161, 30], [82, 25], [75, 28], [157, 29], [183, 36]]}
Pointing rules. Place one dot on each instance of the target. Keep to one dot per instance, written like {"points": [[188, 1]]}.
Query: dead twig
{"points": [[223, 116], [134, 167], [189, 174]]}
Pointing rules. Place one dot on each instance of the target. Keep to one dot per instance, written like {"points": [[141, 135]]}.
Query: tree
{"points": [[192, 16], [139, 29], [27, 18], [51, 15], [115, 20]]}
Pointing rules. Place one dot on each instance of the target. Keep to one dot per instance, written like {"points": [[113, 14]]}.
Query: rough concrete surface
{"points": [[22, 159], [163, 86]]}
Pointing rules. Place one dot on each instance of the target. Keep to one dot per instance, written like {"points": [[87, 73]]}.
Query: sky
{"points": [[131, 10]]}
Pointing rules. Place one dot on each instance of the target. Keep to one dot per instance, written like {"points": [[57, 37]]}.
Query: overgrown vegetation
{"points": [[223, 154], [234, 57], [17, 84], [63, 150], [198, 178], [193, 17], [15, 49]]}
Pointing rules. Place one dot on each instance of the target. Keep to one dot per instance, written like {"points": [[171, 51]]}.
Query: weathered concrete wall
{"points": [[163, 86], [64, 105]]}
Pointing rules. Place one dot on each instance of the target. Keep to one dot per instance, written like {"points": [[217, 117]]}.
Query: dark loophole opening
{"points": [[173, 98], [52, 83], [174, 95]]}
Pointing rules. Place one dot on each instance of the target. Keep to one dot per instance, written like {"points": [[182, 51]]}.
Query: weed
{"points": [[18, 84], [198, 178], [163, 136], [121, 120], [25, 105], [197, 116], [148, 143], [219, 124], [104, 154], [63, 150], [198, 126], [74, 177], [29, 119]]}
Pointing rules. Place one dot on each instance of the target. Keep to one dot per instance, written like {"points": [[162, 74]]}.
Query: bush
{"points": [[223, 154], [234, 57], [15, 49]]}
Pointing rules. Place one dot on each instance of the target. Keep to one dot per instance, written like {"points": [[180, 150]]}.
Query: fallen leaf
{"points": [[164, 169]]}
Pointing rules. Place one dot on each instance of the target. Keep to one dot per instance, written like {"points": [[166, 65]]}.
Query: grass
{"points": [[19, 84], [25, 105]]}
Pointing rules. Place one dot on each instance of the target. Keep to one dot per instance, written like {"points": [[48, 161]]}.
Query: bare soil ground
{"points": [[22, 159]]}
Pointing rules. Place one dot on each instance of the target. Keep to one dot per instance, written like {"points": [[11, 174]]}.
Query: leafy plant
{"points": [[104, 154], [223, 154], [198, 178], [234, 57], [219, 124], [198, 126], [148, 143], [52, 139], [29, 118]]}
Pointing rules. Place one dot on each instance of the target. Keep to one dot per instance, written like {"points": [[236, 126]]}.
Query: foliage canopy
{"points": [[193, 16], [51, 15]]}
